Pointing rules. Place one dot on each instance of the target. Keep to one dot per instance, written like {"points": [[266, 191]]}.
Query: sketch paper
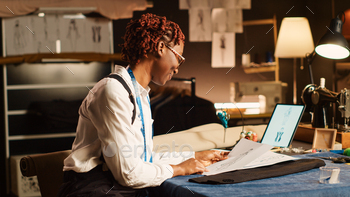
{"points": [[223, 50], [188, 4], [227, 20], [97, 35], [34, 34], [242, 154], [17, 36], [268, 158], [73, 35], [235, 20], [200, 25], [224, 4], [244, 4], [219, 20], [229, 4]]}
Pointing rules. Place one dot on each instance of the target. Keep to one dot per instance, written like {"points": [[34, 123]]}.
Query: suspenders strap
{"points": [[131, 97]]}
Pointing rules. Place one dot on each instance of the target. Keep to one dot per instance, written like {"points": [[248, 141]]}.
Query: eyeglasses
{"points": [[180, 58]]}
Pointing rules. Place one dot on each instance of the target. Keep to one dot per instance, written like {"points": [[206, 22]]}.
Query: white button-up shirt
{"points": [[105, 126]]}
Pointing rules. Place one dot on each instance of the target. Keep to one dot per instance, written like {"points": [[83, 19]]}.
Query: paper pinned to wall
{"points": [[188, 4], [227, 20], [33, 34], [207, 16], [229, 4], [200, 25], [247, 154], [223, 50]]}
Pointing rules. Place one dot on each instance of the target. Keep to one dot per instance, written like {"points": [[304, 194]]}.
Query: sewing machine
{"points": [[270, 93], [318, 98]]}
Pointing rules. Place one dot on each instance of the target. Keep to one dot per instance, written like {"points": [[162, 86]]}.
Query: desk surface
{"points": [[298, 184]]}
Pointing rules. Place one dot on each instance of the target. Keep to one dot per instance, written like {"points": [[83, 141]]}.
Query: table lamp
{"points": [[332, 45], [294, 40]]}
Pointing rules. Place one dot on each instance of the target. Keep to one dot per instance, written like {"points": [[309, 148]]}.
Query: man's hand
{"points": [[209, 157]]}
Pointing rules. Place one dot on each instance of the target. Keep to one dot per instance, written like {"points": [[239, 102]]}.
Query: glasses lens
{"points": [[180, 59]]}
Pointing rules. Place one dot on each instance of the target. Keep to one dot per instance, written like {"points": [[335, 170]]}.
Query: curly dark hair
{"points": [[142, 36]]}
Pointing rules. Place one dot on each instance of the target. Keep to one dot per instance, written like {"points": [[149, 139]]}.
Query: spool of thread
{"points": [[269, 57], [245, 59], [347, 152], [322, 82], [255, 137], [242, 135]]}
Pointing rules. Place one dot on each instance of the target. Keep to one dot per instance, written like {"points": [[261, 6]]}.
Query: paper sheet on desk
{"points": [[247, 154], [268, 158]]}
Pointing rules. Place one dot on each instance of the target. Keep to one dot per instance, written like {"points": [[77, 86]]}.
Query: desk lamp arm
{"points": [[310, 58]]}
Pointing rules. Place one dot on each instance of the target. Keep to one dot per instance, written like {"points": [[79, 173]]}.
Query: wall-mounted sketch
{"points": [[228, 4], [188, 4], [17, 35], [200, 25], [232, 4], [73, 34], [219, 20], [97, 34], [57, 21], [73, 38], [34, 34], [223, 50], [243, 4], [46, 33], [227, 20], [235, 20], [32, 25], [19, 40]]}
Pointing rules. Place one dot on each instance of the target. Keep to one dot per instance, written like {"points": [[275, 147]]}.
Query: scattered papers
{"points": [[247, 154], [269, 158]]}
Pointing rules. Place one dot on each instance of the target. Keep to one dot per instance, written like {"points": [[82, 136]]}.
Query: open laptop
{"points": [[283, 124]]}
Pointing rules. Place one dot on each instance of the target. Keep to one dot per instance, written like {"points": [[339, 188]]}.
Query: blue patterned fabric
{"points": [[293, 185]]}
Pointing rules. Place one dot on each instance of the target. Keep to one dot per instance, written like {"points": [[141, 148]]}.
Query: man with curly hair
{"points": [[112, 152]]}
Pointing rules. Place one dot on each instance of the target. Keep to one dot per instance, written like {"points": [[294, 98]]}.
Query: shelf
{"points": [[48, 86], [250, 70], [63, 57], [17, 112], [259, 22], [275, 67]]}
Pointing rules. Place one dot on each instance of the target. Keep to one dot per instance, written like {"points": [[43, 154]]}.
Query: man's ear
{"points": [[160, 48]]}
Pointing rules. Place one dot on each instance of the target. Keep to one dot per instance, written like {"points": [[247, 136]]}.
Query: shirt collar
{"points": [[144, 90], [124, 73]]}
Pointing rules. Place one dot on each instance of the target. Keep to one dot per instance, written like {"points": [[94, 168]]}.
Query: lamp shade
{"points": [[294, 38], [333, 45]]}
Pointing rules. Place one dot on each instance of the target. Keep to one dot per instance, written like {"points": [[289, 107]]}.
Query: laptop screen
{"points": [[282, 126]]}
